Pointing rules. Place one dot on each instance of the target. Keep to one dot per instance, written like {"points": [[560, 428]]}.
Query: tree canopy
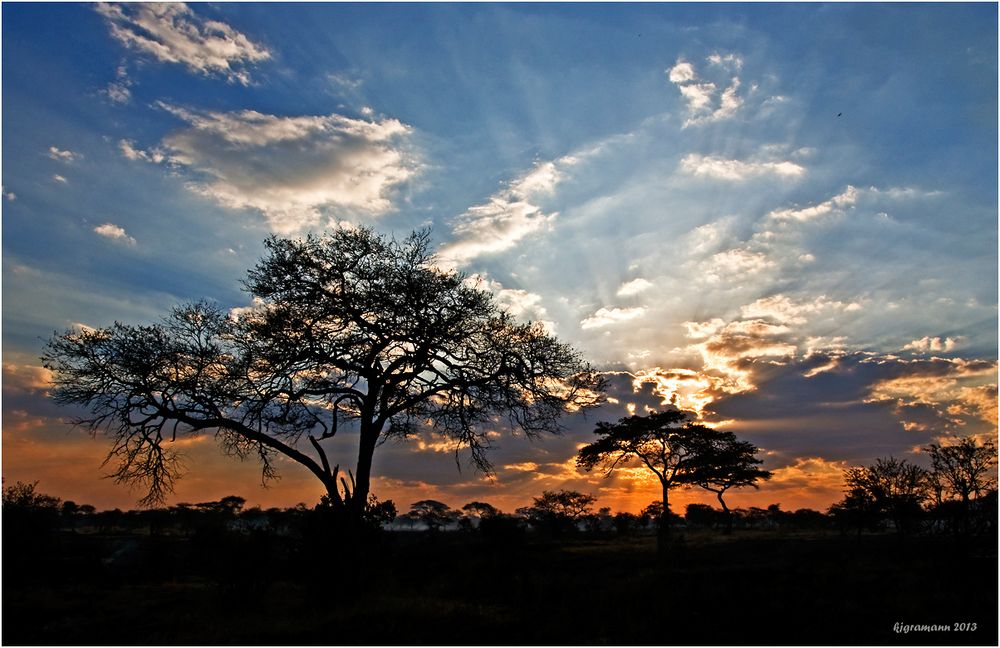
{"points": [[890, 487], [346, 328], [964, 470], [677, 450]]}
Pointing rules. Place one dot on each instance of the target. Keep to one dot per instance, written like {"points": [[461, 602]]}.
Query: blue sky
{"points": [[782, 218]]}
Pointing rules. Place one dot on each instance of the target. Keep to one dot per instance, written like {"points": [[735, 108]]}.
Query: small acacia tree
{"points": [[728, 463], [349, 327], [675, 449], [890, 487], [433, 514], [558, 511]]}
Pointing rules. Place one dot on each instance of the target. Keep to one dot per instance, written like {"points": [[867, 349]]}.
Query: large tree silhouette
{"points": [[348, 327], [668, 443]]}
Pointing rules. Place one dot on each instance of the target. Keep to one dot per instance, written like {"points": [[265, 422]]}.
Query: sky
{"points": [[781, 218]]}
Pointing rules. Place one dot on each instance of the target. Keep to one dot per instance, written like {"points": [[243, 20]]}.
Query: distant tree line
{"points": [[957, 494]]}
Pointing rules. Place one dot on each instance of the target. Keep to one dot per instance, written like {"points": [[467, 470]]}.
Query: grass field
{"points": [[453, 588]]}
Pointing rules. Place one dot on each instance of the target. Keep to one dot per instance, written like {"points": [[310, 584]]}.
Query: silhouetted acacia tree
{"points": [[965, 472], [676, 450], [351, 327], [702, 515], [29, 517], [433, 514], [481, 509], [890, 487], [728, 463], [558, 511], [625, 522]]}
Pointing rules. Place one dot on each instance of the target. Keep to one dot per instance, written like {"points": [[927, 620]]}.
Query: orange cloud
{"points": [[958, 391], [26, 379]]}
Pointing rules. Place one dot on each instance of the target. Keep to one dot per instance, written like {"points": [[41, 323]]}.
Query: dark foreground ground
{"points": [[750, 588]]}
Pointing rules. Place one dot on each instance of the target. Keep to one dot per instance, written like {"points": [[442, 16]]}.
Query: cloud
{"points": [[735, 263], [737, 170], [705, 104], [926, 344], [26, 379], [119, 91], [9, 195], [63, 156], [507, 217], [784, 310], [128, 149], [606, 317], [522, 304], [633, 287], [726, 347], [115, 233], [842, 200], [936, 394], [682, 72], [173, 33], [808, 479], [344, 81], [294, 170], [728, 61], [58, 178], [686, 389]]}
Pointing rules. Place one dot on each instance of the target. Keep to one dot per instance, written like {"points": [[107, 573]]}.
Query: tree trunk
{"points": [[362, 478], [726, 512], [663, 530]]}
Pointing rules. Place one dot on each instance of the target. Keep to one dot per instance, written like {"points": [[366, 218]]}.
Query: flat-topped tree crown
{"points": [[351, 327], [679, 451]]}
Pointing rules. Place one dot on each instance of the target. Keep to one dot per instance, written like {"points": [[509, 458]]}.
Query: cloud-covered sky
{"points": [[782, 218]]}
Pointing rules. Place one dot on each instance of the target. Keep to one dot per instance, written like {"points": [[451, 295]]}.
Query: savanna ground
{"points": [[753, 587]]}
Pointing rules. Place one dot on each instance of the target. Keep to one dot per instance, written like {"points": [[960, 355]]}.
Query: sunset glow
{"points": [[765, 215]]}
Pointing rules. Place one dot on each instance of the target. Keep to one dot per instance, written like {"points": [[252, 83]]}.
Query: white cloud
{"points": [[736, 262], [605, 317], [723, 169], [291, 169], [682, 72], [729, 103], [786, 311], [173, 33], [703, 329], [522, 304], [705, 104], [698, 96], [927, 343], [63, 156], [633, 287], [507, 217], [58, 178], [9, 195], [343, 81], [115, 233], [845, 199], [119, 91], [728, 61], [128, 149]]}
